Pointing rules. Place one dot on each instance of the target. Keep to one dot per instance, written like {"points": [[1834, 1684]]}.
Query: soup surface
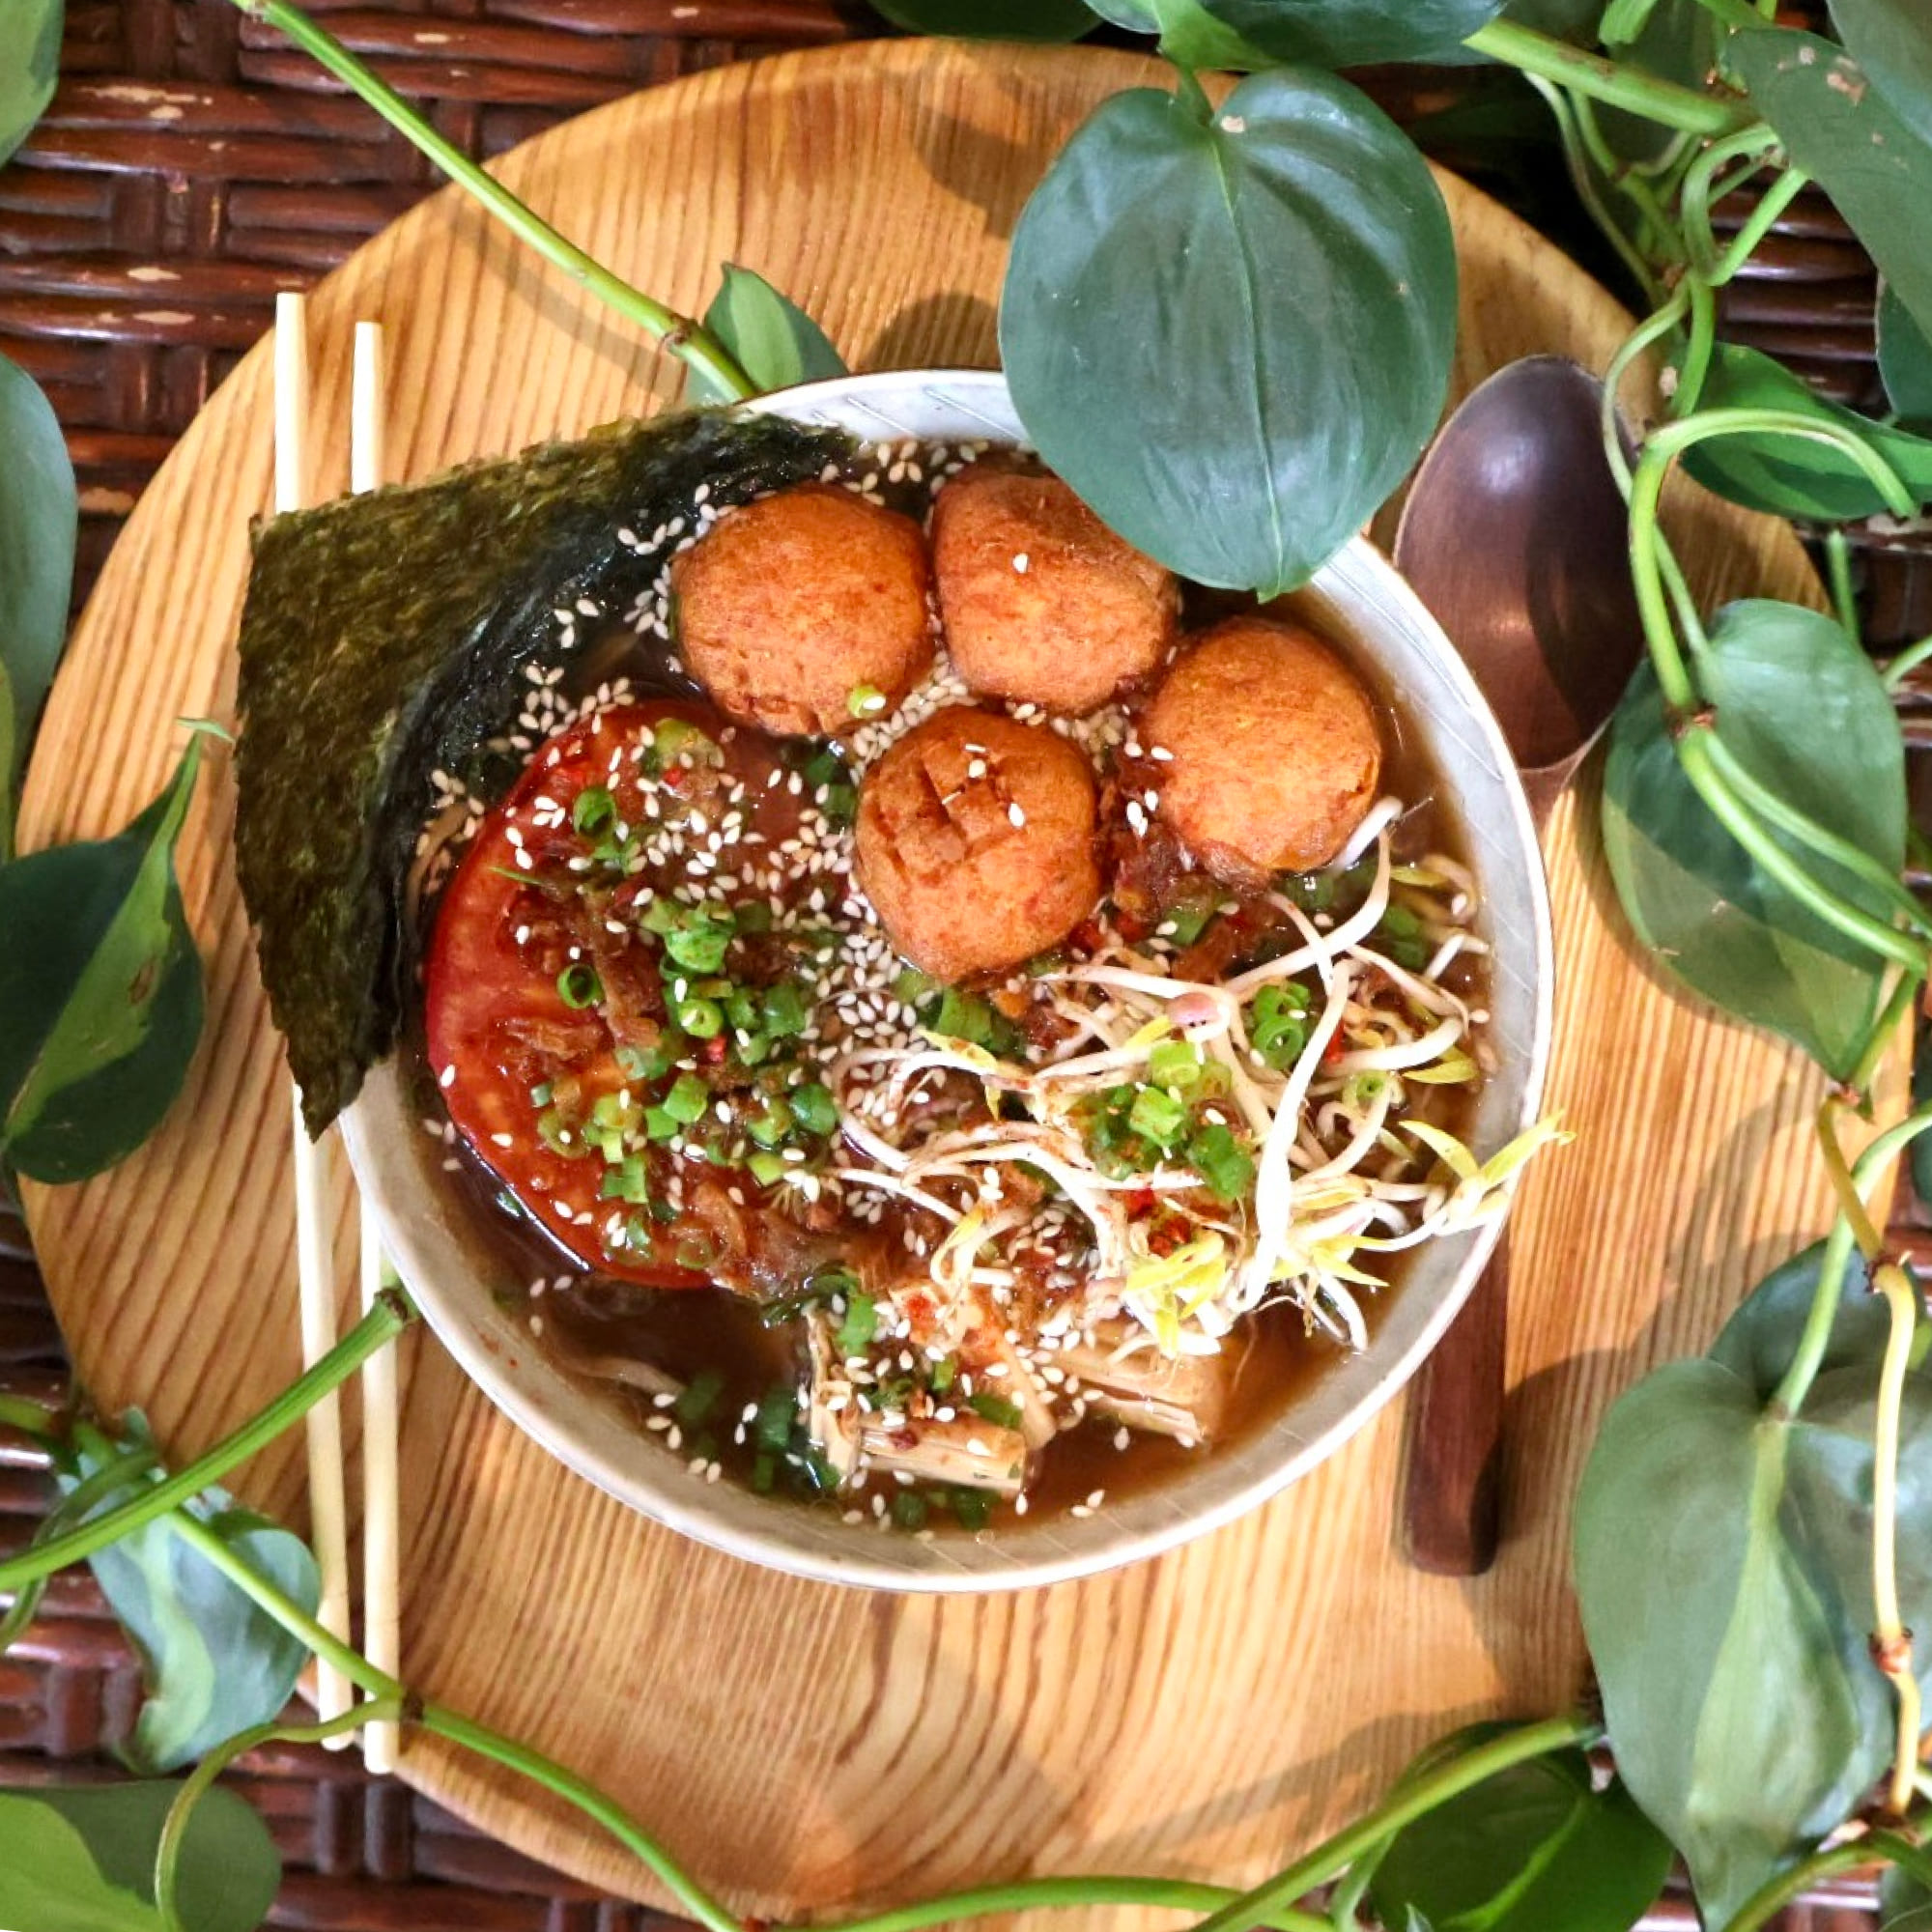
{"points": [[930, 1248]]}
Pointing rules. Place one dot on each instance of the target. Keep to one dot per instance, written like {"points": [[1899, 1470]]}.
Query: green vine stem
{"points": [[390, 1315], [378, 1684], [1855, 1855], [1036, 1894], [1759, 223], [1577, 158], [194, 1787], [1752, 145], [1809, 1354], [1891, 1641], [1695, 755], [1906, 663], [1402, 1806], [1777, 811], [683, 337], [1688, 109], [72, 1508]]}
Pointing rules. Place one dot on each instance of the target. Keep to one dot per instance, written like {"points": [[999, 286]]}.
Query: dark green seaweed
{"points": [[385, 637]]}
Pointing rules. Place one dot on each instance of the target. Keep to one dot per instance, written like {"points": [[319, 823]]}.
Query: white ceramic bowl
{"points": [[1357, 598]]}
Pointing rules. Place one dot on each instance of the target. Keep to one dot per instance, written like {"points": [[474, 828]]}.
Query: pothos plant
{"points": [[1168, 325]]}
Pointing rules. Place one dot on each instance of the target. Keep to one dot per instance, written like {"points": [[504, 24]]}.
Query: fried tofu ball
{"points": [[976, 841], [790, 605], [1041, 599], [1275, 748]]}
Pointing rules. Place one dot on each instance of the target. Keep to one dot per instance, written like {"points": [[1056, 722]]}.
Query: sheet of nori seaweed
{"points": [[383, 638]]}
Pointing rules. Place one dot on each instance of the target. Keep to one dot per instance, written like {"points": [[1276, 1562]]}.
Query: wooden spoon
{"points": [[1514, 536]]}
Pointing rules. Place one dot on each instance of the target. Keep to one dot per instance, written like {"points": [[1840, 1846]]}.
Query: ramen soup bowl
{"points": [[439, 1236]]}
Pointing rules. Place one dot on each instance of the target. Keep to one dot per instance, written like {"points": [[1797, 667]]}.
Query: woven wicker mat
{"points": [[191, 165]]}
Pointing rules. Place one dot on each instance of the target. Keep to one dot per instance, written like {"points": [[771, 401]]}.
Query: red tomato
{"points": [[496, 1023]]}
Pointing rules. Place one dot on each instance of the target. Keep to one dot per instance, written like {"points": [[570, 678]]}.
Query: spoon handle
{"points": [[1451, 1488]]}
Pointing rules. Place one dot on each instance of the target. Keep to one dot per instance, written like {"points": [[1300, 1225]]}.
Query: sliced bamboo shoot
{"points": [[1182, 1396]]}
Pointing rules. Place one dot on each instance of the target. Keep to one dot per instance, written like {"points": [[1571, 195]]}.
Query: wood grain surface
{"points": [[806, 1747]]}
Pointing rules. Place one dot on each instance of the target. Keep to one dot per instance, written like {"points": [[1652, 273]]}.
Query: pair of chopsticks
{"points": [[314, 1260]]}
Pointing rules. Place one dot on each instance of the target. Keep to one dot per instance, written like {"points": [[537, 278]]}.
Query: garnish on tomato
{"points": [[544, 1010]]}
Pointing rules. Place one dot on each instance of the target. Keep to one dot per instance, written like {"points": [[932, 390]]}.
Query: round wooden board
{"points": [[806, 1747]]}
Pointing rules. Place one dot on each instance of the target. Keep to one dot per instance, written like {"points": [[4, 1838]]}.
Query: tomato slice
{"points": [[499, 1027]]}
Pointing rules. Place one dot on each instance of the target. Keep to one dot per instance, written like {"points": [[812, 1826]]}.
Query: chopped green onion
{"points": [[699, 1398], [662, 1125], [860, 1325], [578, 986], [687, 1100], [637, 1234], [823, 768], [909, 1510], [626, 1180], [752, 916], [769, 1127], [764, 1472], [701, 1019], [839, 805], [594, 810], [1175, 1062], [785, 1011], [1158, 1116], [911, 986], [1221, 1162], [662, 915], [540, 1094], [865, 700], [971, 1509], [650, 1062], [813, 1108], [1189, 916], [996, 1409], [939, 1379], [778, 1414], [560, 1135], [767, 1168], [675, 739], [1279, 1026], [699, 943]]}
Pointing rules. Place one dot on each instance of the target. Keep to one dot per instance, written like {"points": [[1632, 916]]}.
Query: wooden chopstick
{"points": [[382, 1580], [315, 1271]]}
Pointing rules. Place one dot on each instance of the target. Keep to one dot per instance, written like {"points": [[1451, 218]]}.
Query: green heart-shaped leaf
{"points": [[1892, 39], [1805, 710], [1232, 337], [30, 40], [215, 1662], [1350, 33], [82, 1860], [1837, 124], [38, 513], [1904, 359], [1742, 1705], [772, 340], [1537, 1846], [1190, 36], [100, 995], [1792, 475], [1904, 1904]]}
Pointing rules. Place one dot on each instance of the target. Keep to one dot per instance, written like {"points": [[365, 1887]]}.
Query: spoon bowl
{"points": [[1515, 537]]}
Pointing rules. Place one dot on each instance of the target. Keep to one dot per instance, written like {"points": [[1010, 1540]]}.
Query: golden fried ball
{"points": [[791, 604], [976, 841], [1275, 748], [1041, 599]]}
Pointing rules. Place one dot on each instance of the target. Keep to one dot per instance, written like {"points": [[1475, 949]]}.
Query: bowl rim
{"points": [[669, 1496]]}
